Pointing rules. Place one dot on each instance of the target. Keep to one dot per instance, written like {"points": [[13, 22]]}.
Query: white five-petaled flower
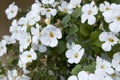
{"points": [[75, 53], [109, 40], [65, 7], [104, 65], [116, 61], [49, 35], [102, 75], [28, 56], [48, 1], [74, 4], [3, 48], [11, 11], [12, 74], [116, 75], [88, 13], [73, 77]]}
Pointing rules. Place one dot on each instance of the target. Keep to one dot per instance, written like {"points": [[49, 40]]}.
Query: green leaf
{"points": [[76, 13], [90, 68], [66, 19], [76, 69], [73, 29], [61, 47], [51, 77], [85, 29], [116, 1], [94, 35], [97, 43]]}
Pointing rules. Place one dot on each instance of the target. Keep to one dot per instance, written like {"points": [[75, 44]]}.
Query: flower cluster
{"points": [[53, 38]]}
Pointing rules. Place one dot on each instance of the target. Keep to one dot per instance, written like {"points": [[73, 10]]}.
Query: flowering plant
{"points": [[60, 40]]}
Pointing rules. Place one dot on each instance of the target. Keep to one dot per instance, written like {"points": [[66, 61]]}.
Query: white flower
{"points": [[24, 41], [3, 78], [83, 75], [105, 7], [48, 1], [114, 27], [3, 48], [28, 56], [109, 40], [22, 64], [104, 65], [116, 61], [102, 75], [74, 4], [88, 12], [9, 39], [116, 75], [11, 11], [50, 12], [49, 36], [41, 48], [23, 77], [36, 7], [36, 32], [75, 53], [12, 74], [72, 78], [32, 18], [65, 7]]}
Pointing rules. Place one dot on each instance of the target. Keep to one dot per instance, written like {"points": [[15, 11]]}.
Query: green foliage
{"points": [[66, 19], [61, 47], [85, 29], [76, 13], [94, 35], [73, 29], [78, 68]]}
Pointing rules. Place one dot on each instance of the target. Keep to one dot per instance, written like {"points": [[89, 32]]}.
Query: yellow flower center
{"points": [[107, 8], [89, 12], [113, 75], [76, 55], [48, 10], [29, 56], [118, 18], [111, 39], [102, 66], [51, 35], [65, 10], [28, 40]]}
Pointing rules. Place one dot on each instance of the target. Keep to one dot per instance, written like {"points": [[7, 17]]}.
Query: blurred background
{"points": [[4, 22]]}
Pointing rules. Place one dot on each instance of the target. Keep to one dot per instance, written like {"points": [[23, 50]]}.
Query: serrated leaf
{"points": [[66, 19], [76, 69], [76, 13]]}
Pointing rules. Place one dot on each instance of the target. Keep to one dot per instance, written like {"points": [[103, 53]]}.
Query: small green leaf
{"points": [[94, 35], [73, 29], [85, 29], [61, 47], [66, 19], [116, 1], [97, 43], [90, 68], [76, 13], [76, 69]]}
